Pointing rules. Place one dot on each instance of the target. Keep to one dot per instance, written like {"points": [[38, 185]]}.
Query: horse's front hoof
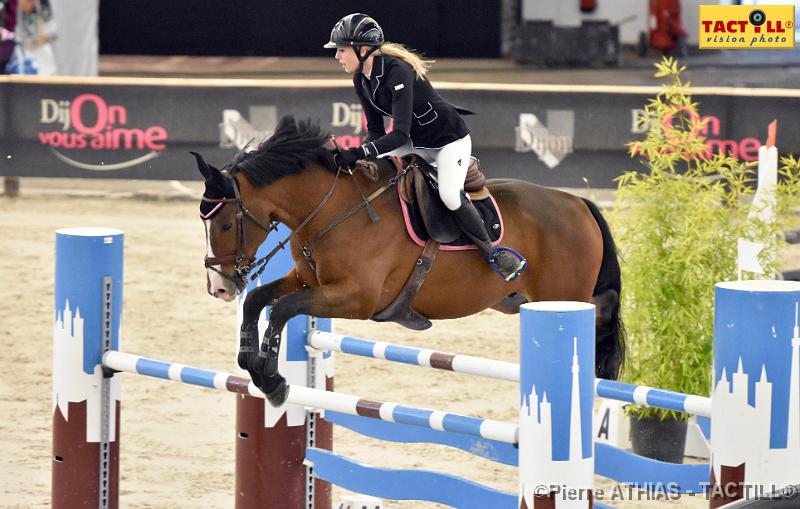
{"points": [[278, 394]]}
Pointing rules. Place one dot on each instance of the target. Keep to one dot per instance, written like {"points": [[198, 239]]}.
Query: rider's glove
{"points": [[351, 155]]}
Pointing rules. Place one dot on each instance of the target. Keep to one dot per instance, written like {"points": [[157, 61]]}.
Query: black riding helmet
{"points": [[356, 30]]}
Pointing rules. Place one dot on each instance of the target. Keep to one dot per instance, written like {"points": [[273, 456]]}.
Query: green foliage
{"points": [[677, 227]]}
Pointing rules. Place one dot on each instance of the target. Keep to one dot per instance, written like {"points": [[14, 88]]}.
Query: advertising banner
{"points": [[552, 135]]}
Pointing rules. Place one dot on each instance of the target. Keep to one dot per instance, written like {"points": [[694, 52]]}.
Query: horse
{"points": [[353, 256]]}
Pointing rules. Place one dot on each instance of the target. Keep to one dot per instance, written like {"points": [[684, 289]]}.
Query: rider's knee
{"points": [[450, 197]]}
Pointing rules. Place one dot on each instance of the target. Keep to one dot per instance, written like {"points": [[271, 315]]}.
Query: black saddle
{"points": [[430, 218]]}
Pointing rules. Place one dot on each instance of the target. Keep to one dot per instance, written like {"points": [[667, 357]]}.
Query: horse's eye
{"points": [[226, 227]]}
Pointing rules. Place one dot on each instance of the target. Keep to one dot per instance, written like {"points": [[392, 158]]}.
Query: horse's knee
{"points": [[252, 304]]}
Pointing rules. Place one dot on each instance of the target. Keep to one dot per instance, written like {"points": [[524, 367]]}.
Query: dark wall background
{"points": [[438, 28]]}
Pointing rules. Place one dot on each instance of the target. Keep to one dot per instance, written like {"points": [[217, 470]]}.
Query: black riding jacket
{"points": [[419, 113]]}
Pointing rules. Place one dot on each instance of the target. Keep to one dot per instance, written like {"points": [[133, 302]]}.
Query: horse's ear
{"points": [[202, 165]]}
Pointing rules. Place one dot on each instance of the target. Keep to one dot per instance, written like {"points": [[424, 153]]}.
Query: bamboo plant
{"points": [[677, 224]]}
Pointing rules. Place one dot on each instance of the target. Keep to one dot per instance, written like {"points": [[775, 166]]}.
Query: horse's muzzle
{"points": [[222, 293], [224, 286]]}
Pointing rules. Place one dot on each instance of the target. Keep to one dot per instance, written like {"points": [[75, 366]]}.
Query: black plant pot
{"points": [[659, 440]]}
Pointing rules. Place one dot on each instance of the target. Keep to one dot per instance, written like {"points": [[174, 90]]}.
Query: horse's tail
{"points": [[610, 340]]}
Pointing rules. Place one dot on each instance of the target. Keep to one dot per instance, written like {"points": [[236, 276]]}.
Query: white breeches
{"points": [[451, 162]]}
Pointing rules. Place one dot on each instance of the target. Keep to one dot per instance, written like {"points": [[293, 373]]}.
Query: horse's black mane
{"points": [[294, 145]]}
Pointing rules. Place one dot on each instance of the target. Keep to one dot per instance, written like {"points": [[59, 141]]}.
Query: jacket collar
{"points": [[375, 78]]}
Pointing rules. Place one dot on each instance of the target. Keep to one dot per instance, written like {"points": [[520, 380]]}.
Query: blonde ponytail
{"points": [[415, 60]]}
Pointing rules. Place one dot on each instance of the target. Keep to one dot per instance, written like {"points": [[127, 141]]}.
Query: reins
{"points": [[307, 249], [243, 269], [265, 259]]}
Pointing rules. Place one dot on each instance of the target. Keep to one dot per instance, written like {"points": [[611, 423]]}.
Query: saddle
{"points": [[428, 218], [430, 223]]}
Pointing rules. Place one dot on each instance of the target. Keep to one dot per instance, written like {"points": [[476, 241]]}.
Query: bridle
{"points": [[242, 263]]}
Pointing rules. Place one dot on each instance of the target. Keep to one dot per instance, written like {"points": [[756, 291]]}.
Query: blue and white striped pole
{"points": [[501, 370], [655, 398], [318, 399], [88, 309], [556, 450], [755, 423]]}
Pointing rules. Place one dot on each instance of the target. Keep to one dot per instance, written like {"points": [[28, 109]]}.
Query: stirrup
{"points": [[516, 272]]}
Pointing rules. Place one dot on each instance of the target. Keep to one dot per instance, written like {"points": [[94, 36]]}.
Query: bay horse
{"points": [[352, 260]]}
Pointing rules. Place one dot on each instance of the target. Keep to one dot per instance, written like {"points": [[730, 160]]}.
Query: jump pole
{"points": [[555, 420], [501, 370], [316, 399], [86, 408]]}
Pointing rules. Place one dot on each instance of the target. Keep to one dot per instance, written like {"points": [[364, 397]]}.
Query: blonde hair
{"points": [[409, 56]]}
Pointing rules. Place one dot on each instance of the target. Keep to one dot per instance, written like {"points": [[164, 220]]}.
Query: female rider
{"points": [[390, 81]]}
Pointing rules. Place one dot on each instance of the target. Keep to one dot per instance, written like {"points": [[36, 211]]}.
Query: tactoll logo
{"points": [[552, 141], [88, 122], [746, 27]]}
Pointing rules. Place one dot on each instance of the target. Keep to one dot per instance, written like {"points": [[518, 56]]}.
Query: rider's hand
{"points": [[351, 155]]}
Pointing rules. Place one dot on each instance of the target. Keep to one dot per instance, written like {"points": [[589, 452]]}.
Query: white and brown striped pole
{"points": [[88, 305]]}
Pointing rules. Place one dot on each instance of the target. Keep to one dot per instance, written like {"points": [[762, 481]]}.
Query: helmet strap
{"points": [[370, 51], [363, 59]]}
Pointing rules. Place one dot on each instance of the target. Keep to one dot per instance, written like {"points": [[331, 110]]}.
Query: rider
{"points": [[389, 80]]}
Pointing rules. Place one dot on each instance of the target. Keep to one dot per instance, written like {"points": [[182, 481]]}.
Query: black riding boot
{"points": [[507, 262]]}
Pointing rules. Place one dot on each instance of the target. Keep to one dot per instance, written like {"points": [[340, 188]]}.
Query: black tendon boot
{"points": [[505, 261]]}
